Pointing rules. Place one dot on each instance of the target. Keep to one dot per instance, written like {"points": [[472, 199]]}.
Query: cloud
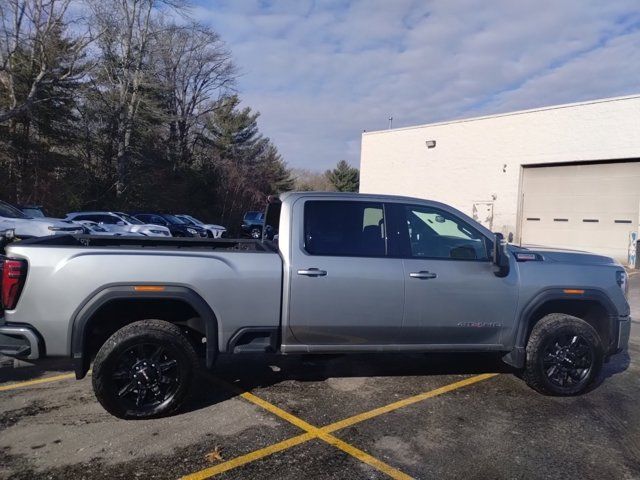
{"points": [[321, 72]]}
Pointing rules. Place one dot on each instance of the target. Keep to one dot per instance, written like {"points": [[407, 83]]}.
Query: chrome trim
{"points": [[29, 335]]}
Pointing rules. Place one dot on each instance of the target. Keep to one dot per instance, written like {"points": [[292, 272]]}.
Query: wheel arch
{"points": [[88, 316], [592, 306]]}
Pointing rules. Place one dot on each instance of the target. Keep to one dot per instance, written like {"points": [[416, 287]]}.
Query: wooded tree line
{"points": [[112, 104], [124, 105]]}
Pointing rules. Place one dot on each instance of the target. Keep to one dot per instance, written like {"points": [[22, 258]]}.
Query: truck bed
{"points": [[239, 280]]}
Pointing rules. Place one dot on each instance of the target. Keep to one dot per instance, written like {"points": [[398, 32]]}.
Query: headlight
{"points": [[157, 232], [622, 279], [192, 231]]}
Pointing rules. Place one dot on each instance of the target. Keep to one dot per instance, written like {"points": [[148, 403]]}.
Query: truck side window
{"points": [[436, 234], [344, 228]]}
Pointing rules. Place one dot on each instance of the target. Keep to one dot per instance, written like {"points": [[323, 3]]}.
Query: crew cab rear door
{"points": [[344, 289]]}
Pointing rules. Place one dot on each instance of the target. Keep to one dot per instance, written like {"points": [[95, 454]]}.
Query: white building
{"points": [[563, 176]]}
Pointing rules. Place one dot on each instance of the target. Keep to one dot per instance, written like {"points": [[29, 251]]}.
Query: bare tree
{"points": [[30, 47], [310, 180], [196, 70], [129, 28]]}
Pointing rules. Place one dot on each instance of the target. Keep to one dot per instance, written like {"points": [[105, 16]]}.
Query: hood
{"points": [[213, 226], [570, 256]]}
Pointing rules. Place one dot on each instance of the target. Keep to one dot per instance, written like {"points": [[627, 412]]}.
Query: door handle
{"points": [[313, 272], [422, 274]]}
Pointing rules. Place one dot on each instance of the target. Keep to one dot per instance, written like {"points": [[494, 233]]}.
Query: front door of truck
{"points": [[344, 289], [452, 296]]}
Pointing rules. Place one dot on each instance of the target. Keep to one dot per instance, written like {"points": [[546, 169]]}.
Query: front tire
{"points": [[144, 370], [256, 233], [564, 356]]}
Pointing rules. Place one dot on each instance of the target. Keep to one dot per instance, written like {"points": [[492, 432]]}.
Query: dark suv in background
{"points": [[252, 224], [177, 227]]}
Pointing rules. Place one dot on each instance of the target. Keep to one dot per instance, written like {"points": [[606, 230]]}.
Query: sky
{"points": [[321, 72]]}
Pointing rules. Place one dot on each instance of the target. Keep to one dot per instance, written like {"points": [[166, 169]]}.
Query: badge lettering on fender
{"points": [[479, 324]]}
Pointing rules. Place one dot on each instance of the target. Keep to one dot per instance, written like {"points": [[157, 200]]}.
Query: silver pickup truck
{"points": [[333, 273]]}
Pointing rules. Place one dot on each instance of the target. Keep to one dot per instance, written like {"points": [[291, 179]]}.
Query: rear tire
{"points": [[564, 356], [144, 370]]}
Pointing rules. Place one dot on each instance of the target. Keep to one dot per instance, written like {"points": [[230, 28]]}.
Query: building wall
{"points": [[480, 160]]}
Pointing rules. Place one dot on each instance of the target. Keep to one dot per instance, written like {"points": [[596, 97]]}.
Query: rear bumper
{"points": [[624, 330], [19, 342]]}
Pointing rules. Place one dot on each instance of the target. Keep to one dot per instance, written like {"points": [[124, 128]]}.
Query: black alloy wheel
{"points": [[147, 377], [568, 360]]}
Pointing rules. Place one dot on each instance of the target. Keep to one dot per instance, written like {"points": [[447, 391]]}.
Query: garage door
{"points": [[592, 207]]}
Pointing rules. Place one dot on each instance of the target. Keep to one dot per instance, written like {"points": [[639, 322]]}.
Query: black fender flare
{"points": [[97, 300], [517, 356]]}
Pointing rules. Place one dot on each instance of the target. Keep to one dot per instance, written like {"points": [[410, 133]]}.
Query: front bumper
{"points": [[19, 342], [624, 330]]}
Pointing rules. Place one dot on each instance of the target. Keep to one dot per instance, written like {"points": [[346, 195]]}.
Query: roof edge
{"points": [[508, 114]]}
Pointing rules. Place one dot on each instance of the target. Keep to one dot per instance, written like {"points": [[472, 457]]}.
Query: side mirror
{"points": [[500, 256], [121, 224]]}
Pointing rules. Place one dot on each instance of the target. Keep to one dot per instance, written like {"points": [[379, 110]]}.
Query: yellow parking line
{"points": [[364, 457], [347, 422], [324, 432], [249, 457], [14, 386], [298, 422], [330, 439], [312, 431]]}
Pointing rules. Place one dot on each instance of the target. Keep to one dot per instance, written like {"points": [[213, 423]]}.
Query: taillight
{"points": [[14, 273]]}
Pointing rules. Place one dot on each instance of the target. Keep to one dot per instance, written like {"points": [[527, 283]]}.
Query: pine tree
{"points": [[344, 177]]}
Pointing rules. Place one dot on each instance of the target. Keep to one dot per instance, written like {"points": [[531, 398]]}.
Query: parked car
{"points": [[6, 237], [118, 222], [25, 226], [350, 273], [33, 211], [215, 231], [252, 223], [177, 227], [93, 228], [36, 211]]}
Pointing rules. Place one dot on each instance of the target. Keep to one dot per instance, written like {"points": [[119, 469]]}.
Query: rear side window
{"points": [[344, 228]]}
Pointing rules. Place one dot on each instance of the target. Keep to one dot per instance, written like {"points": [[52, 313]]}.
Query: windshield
{"points": [[174, 220], [186, 219], [33, 212], [253, 216], [130, 219], [8, 211], [193, 219]]}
